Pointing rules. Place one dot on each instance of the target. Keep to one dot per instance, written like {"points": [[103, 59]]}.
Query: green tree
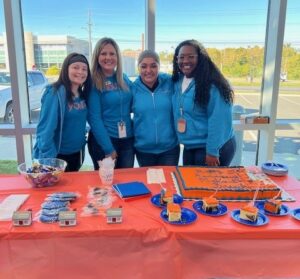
{"points": [[290, 63]]}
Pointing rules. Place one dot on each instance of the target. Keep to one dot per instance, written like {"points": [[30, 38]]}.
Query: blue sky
{"points": [[216, 23]]}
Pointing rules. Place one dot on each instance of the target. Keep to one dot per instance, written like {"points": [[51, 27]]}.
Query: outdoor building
{"points": [[44, 51]]}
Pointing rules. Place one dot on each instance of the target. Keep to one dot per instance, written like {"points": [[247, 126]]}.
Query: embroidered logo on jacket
{"points": [[77, 105]]}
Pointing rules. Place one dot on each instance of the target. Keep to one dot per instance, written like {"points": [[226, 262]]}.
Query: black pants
{"points": [[167, 158], [197, 156], [123, 147], [74, 160]]}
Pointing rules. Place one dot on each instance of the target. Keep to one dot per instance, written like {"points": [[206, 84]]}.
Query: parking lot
{"points": [[287, 144]]}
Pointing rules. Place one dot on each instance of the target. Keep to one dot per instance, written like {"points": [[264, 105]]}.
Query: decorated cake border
{"points": [[228, 194]]}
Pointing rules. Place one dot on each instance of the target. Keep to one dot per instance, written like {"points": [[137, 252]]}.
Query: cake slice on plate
{"points": [[249, 213], [173, 212], [273, 206], [210, 204], [166, 196]]}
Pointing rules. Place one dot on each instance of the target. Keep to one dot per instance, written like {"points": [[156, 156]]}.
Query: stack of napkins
{"points": [[155, 176], [11, 204]]}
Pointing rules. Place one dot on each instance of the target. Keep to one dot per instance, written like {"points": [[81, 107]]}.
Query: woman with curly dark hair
{"points": [[202, 106]]}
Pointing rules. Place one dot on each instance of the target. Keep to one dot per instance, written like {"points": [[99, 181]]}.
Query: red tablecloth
{"points": [[144, 246]]}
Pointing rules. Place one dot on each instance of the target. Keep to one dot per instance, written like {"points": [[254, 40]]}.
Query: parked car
{"points": [[36, 83]]}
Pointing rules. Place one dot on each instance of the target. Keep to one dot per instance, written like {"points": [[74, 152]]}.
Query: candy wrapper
{"points": [[99, 199]]}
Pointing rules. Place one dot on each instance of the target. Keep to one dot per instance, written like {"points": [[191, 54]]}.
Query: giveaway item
{"points": [[114, 215], [131, 190], [67, 218], [43, 172], [106, 171], [22, 218]]}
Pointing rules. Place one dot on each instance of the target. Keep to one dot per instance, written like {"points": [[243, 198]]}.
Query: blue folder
{"points": [[131, 189]]}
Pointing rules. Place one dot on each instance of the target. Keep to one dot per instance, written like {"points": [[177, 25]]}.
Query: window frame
{"points": [[23, 130]]}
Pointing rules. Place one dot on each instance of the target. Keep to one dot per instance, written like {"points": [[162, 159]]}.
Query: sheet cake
{"points": [[228, 183]]}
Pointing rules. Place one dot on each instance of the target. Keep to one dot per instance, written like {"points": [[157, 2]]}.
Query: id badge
{"points": [[181, 125], [122, 129]]}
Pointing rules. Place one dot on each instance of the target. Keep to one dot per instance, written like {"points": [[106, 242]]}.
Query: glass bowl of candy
{"points": [[43, 172]]}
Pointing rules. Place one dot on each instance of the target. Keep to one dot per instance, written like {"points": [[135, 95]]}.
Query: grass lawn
{"points": [[8, 167]]}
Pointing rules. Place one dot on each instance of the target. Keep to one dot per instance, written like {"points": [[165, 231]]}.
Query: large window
{"points": [[48, 41], [234, 36], [233, 32], [8, 154], [287, 141]]}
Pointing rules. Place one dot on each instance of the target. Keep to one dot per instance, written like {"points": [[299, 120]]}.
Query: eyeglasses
{"points": [[189, 57]]}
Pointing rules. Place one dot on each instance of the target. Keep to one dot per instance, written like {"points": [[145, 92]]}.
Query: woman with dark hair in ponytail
{"points": [[202, 107]]}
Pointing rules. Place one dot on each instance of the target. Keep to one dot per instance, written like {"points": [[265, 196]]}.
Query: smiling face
{"points": [[148, 69], [78, 73], [187, 60], [108, 59]]}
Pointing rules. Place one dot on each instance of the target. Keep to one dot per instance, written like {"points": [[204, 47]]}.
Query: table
{"points": [[144, 246]]}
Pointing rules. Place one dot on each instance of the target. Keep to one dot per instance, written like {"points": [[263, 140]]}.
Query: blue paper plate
{"points": [[156, 200], [188, 216], [222, 209], [283, 211], [274, 169], [296, 213], [261, 219]]}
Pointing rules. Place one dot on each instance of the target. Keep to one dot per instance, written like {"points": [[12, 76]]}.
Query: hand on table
{"points": [[212, 161]]}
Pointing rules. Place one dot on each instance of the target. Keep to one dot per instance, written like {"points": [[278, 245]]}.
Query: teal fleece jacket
{"points": [[107, 109], [209, 127], [153, 124], [50, 128]]}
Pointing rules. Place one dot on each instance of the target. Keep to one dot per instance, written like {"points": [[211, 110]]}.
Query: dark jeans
{"points": [[74, 160], [167, 158], [123, 147], [192, 157]]}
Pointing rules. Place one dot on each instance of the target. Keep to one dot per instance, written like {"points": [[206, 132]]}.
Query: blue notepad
{"points": [[131, 189]]}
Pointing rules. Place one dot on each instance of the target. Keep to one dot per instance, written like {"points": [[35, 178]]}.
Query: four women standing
{"points": [[196, 106]]}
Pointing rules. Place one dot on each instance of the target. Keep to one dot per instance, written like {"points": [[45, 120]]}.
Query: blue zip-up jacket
{"points": [[50, 128], [153, 124], [209, 127], [107, 109]]}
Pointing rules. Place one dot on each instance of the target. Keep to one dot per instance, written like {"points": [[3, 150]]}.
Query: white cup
{"points": [[106, 175]]}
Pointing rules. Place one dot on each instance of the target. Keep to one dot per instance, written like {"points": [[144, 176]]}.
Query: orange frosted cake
{"points": [[235, 183], [173, 212], [210, 204], [272, 206], [249, 213]]}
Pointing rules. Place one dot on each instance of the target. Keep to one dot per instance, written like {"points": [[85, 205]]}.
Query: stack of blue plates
{"points": [[275, 169]]}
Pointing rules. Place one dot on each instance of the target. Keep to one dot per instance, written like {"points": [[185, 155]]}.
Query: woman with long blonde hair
{"points": [[109, 107]]}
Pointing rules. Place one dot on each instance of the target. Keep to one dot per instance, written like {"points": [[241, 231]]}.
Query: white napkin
{"points": [[155, 176], [10, 204]]}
